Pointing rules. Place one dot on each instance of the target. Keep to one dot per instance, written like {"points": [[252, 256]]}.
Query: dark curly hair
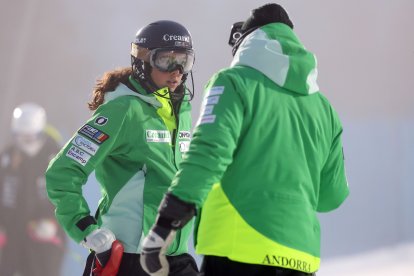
{"points": [[108, 82]]}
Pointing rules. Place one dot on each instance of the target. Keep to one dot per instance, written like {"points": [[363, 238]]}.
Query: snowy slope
{"points": [[391, 261]]}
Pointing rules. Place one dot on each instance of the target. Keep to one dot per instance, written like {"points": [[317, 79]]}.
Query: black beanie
{"points": [[269, 13]]}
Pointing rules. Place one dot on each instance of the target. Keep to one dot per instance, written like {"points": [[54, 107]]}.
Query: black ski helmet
{"points": [[162, 34]]}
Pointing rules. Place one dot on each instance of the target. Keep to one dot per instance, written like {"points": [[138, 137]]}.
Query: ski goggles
{"points": [[235, 33], [168, 60]]}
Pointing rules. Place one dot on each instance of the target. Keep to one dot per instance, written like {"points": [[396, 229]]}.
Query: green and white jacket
{"points": [[134, 144], [265, 157]]}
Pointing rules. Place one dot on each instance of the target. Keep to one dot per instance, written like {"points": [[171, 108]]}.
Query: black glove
{"points": [[173, 214]]}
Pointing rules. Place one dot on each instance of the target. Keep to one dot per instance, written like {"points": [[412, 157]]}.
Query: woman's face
{"points": [[166, 79]]}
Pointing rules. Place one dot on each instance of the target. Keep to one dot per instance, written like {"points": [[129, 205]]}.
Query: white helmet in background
{"points": [[28, 124]]}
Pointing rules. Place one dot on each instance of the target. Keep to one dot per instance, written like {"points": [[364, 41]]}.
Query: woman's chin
{"points": [[172, 87]]}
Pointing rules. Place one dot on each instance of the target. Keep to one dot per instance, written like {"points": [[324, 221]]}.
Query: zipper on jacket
{"points": [[173, 141], [174, 134]]}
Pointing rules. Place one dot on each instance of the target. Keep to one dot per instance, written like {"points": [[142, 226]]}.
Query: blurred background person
{"points": [[31, 242]]}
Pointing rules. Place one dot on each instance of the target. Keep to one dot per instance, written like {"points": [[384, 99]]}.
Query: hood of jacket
{"points": [[276, 51], [123, 90]]}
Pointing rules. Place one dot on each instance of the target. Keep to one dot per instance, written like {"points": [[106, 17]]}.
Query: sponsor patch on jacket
{"points": [[210, 100], [184, 135], [208, 109], [80, 156], [84, 144], [207, 119], [101, 120], [184, 146], [215, 90], [93, 133], [158, 136]]}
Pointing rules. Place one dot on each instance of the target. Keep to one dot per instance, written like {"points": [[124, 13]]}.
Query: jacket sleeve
{"points": [[69, 170], [214, 140], [333, 185]]}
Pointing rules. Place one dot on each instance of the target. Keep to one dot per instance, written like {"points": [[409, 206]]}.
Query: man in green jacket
{"points": [[134, 142], [265, 157]]}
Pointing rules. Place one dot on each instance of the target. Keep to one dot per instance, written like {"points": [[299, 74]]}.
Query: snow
{"points": [[395, 260]]}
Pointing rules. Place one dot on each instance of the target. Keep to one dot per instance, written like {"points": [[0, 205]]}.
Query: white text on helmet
{"points": [[168, 37]]}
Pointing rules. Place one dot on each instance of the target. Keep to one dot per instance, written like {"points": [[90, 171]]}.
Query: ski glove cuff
{"points": [[173, 214], [100, 241]]}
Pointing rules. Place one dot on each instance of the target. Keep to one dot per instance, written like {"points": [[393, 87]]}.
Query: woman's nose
{"points": [[178, 68]]}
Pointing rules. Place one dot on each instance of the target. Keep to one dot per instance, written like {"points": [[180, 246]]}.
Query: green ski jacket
{"points": [[265, 157], [134, 143]]}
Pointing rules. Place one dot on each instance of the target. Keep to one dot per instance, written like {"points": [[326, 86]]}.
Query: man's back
{"points": [[277, 156]]}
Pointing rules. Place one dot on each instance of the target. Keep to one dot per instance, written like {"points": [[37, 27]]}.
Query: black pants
{"points": [[221, 266], [182, 265]]}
